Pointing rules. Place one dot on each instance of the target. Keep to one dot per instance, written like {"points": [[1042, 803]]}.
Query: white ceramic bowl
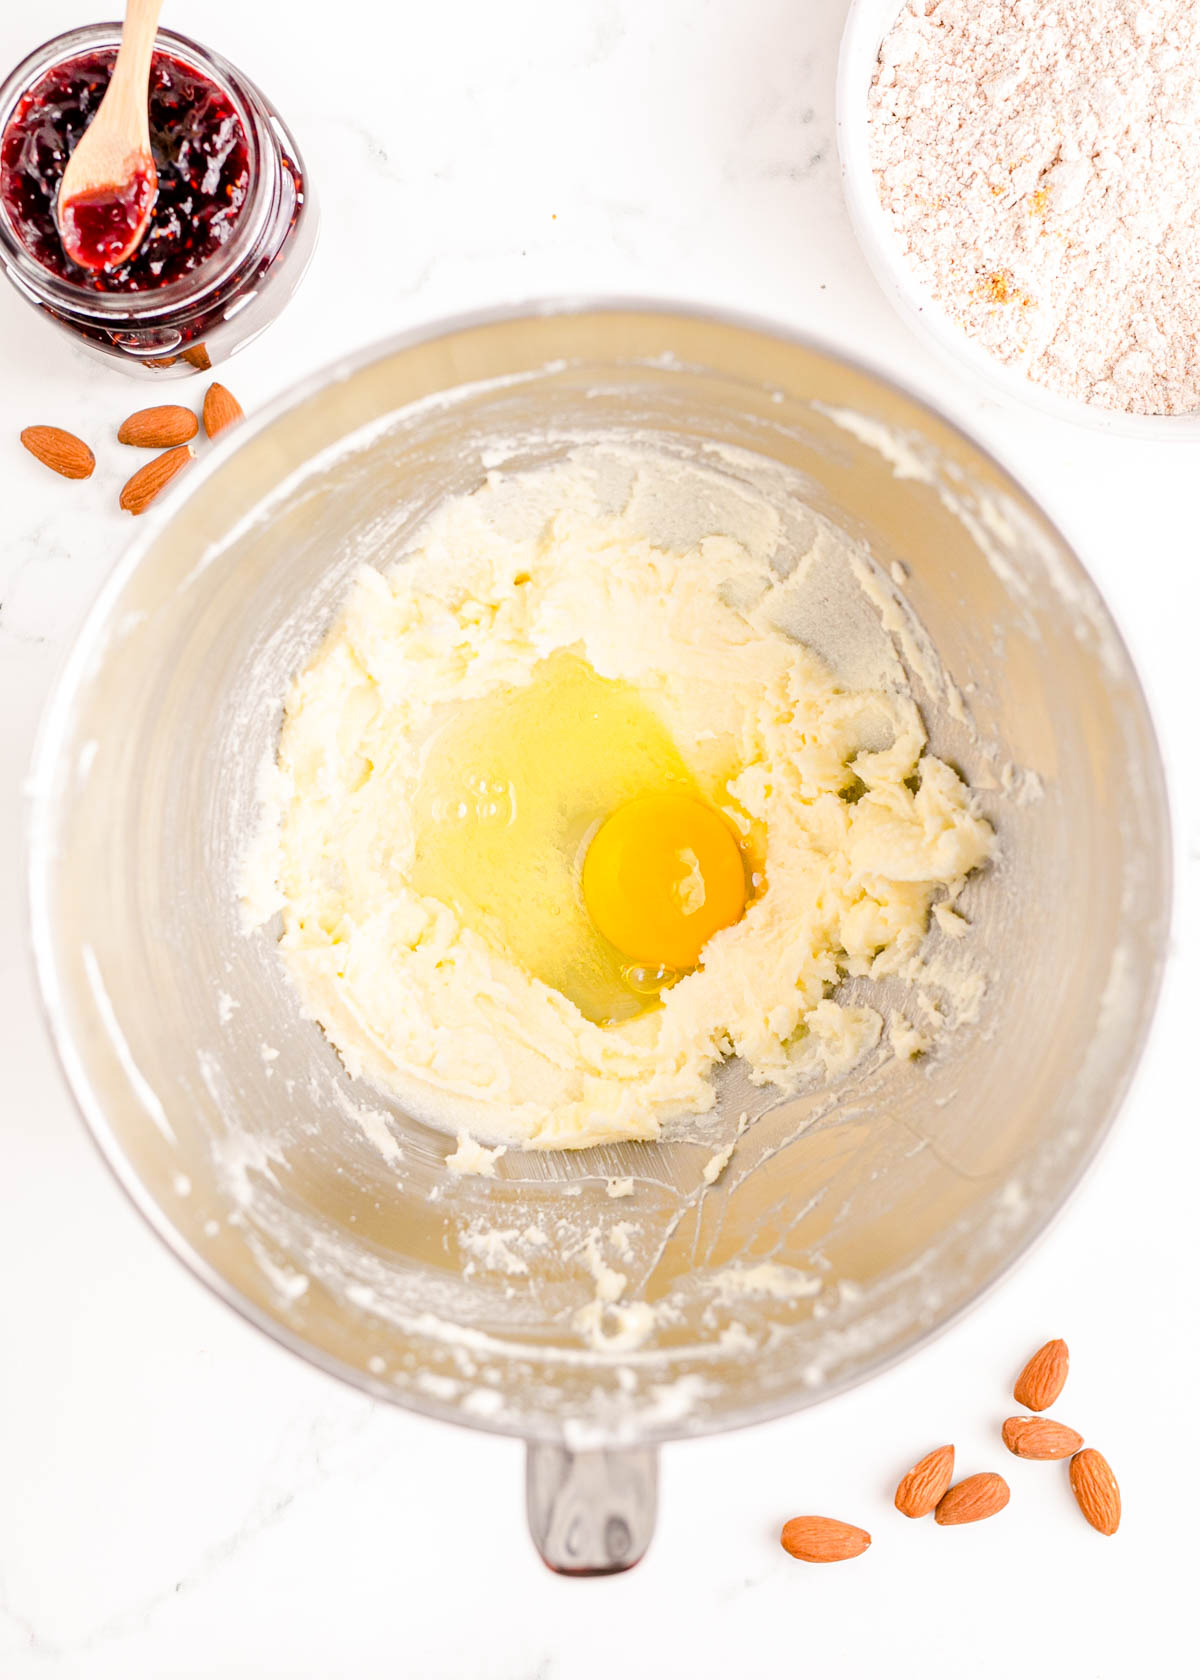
{"points": [[867, 22]]}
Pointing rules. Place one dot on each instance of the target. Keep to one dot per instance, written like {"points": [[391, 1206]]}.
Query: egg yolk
{"points": [[662, 875]]}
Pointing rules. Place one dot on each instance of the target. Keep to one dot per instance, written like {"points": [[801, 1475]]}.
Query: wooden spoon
{"points": [[110, 183]]}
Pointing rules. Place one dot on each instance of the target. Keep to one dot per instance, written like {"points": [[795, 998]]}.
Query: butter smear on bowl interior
{"points": [[566, 813]]}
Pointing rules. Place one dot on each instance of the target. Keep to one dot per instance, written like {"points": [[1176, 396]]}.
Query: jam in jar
{"points": [[232, 226]]}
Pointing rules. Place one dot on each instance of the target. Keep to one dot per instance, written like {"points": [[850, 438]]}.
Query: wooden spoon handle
{"points": [[125, 105]]}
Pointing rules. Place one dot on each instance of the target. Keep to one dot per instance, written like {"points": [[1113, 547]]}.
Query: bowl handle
{"points": [[591, 1513]]}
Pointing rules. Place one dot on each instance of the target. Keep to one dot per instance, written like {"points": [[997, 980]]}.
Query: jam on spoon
{"points": [[101, 229], [109, 185]]}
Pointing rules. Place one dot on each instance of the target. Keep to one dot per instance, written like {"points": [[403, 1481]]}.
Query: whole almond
{"points": [[61, 451], [1041, 1382], [221, 409], [823, 1539], [1096, 1491], [198, 356], [146, 483], [973, 1499], [1040, 1437], [159, 428], [925, 1483]]}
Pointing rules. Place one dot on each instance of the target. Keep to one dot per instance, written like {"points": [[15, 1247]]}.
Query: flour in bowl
{"points": [[1039, 163]]}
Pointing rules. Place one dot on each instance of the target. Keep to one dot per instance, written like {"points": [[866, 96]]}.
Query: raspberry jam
{"points": [[99, 228], [200, 153], [231, 230]]}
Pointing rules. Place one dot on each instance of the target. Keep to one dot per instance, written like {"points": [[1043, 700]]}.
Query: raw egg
{"points": [[662, 875], [520, 786]]}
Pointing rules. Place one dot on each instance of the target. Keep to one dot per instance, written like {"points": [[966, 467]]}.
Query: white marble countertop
{"points": [[178, 1497]]}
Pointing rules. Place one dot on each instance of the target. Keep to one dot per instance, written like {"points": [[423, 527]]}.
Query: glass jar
{"points": [[203, 316]]}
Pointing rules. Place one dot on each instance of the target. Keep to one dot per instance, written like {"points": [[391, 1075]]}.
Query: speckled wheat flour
{"points": [[1039, 161]]}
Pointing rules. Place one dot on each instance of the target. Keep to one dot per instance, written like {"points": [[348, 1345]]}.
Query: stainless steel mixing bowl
{"points": [[328, 1217]]}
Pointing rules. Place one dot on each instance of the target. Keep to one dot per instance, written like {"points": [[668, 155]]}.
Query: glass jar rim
{"points": [[189, 289]]}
